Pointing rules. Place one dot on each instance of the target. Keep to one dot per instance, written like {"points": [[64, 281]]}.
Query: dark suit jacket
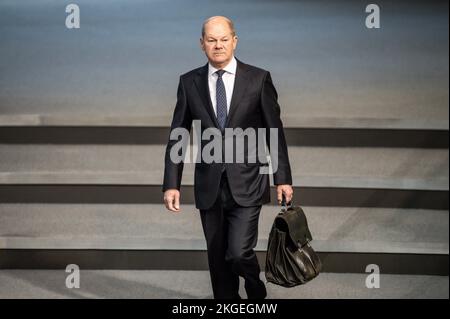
{"points": [[253, 104]]}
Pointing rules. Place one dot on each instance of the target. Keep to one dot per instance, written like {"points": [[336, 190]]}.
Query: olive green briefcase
{"points": [[290, 259]]}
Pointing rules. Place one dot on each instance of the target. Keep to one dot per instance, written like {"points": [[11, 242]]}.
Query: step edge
{"points": [[170, 244]]}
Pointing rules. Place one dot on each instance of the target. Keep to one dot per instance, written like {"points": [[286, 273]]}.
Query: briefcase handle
{"points": [[285, 206]]}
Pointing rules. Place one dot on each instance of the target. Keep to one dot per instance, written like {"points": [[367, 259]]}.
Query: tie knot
{"points": [[220, 73]]}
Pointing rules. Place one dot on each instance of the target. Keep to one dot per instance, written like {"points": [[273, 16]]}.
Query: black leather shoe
{"points": [[261, 293]]}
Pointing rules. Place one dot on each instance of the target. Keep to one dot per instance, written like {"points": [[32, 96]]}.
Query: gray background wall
{"points": [[127, 56]]}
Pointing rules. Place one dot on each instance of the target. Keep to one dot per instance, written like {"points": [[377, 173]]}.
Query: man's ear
{"points": [[202, 44], [235, 41]]}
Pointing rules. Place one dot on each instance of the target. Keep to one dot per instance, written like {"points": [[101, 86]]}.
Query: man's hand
{"points": [[172, 199], [286, 190]]}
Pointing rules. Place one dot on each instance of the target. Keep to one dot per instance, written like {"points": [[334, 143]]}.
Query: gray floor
{"points": [[196, 284]]}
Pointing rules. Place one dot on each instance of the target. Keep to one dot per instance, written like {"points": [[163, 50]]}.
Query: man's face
{"points": [[218, 43]]}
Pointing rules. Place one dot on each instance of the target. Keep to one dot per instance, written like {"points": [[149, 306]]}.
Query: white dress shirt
{"points": [[228, 80]]}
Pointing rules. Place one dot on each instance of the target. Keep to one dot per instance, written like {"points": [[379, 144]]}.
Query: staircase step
{"points": [[326, 176], [145, 178], [169, 284], [81, 226], [358, 132], [59, 232], [163, 121], [425, 169]]}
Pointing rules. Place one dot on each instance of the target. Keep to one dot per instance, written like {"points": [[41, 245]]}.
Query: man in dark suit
{"points": [[227, 93]]}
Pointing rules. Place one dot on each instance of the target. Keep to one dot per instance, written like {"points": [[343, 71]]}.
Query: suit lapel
{"points": [[201, 82], [240, 84]]}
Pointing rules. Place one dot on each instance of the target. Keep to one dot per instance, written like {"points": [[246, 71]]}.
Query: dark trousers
{"points": [[231, 233]]}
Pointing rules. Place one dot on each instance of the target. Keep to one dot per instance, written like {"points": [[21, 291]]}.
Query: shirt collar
{"points": [[229, 68]]}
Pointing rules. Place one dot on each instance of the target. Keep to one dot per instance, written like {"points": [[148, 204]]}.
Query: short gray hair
{"points": [[230, 24]]}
